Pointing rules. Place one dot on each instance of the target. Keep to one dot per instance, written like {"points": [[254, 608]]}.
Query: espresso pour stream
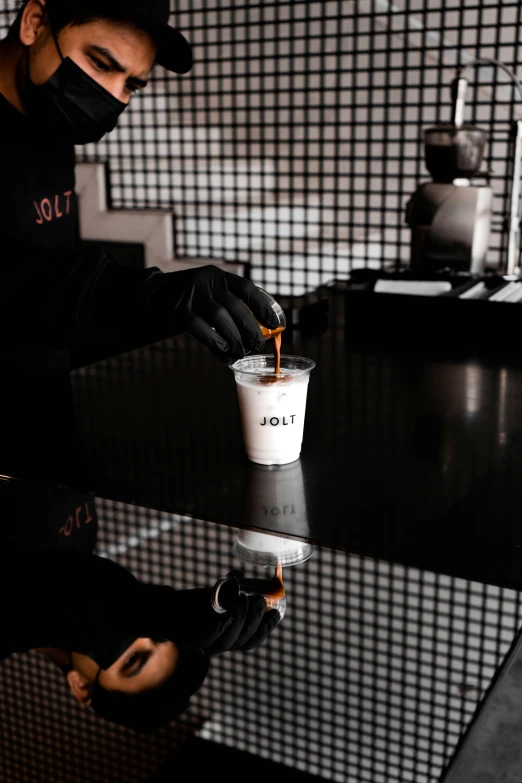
{"points": [[277, 335]]}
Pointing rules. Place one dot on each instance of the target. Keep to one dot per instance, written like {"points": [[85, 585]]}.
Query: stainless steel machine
{"points": [[451, 216]]}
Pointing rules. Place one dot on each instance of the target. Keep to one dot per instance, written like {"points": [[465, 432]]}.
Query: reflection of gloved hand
{"points": [[187, 617], [257, 625], [244, 627], [210, 304]]}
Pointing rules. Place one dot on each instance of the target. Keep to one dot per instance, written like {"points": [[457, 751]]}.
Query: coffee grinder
{"points": [[451, 216]]}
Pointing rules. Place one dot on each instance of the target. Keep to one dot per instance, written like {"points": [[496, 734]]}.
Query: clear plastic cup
{"points": [[278, 310], [280, 315], [272, 407]]}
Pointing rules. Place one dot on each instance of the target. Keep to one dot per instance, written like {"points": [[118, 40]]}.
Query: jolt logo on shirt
{"points": [[82, 516], [49, 209]]}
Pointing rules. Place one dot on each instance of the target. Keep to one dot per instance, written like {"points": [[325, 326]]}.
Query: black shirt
{"points": [[38, 203], [43, 517], [55, 291], [37, 520], [65, 599]]}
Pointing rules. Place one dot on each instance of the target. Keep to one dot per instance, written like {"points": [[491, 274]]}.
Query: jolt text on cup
{"points": [[275, 421]]}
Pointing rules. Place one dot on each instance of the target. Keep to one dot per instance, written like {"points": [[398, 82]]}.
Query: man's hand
{"points": [[245, 626], [187, 618], [210, 304], [248, 625]]}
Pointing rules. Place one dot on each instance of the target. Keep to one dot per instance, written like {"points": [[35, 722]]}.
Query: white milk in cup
{"points": [[272, 407]]}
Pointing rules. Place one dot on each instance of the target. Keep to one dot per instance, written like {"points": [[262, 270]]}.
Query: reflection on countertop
{"points": [[412, 458]]}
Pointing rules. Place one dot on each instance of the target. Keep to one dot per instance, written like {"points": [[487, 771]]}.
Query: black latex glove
{"points": [[187, 617], [258, 623], [210, 304]]}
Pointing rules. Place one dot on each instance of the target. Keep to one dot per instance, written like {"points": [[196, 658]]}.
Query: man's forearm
{"points": [[73, 296], [99, 299]]}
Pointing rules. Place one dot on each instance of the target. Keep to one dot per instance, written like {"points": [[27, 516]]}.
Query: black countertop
{"points": [[407, 457]]}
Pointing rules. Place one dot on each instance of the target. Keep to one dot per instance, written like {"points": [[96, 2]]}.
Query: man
{"points": [[68, 69], [133, 652]]}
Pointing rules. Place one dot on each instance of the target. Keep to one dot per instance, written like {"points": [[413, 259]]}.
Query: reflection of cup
{"points": [[272, 406], [274, 498], [265, 549]]}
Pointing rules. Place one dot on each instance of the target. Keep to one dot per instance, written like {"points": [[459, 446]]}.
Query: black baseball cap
{"points": [[174, 51], [152, 709]]}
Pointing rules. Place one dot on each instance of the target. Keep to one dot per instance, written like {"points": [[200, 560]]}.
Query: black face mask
{"points": [[107, 652], [106, 649], [72, 105]]}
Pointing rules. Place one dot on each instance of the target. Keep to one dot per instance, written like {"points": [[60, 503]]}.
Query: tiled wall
{"points": [[296, 142]]}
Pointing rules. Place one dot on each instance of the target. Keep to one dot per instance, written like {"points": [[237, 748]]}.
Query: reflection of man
{"points": [[45, 517], [68, 69], [134, 652]]}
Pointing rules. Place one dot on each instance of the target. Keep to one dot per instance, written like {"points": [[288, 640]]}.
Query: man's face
{"points": [[144, 665], [117, 55]]}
